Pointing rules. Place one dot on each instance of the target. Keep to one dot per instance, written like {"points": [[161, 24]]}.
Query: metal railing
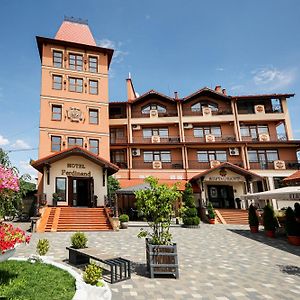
{"points": [[177, 164], [194, 164], [168, 113], [268, 110], [277, 138], [289, 165], [163, 140], [115, 141], [121, 165], [189, 112], [223, 138]]}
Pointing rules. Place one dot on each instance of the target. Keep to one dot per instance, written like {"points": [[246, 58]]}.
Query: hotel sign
{"points": [[76, 172]]}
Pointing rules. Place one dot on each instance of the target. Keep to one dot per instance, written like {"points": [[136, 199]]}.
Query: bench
{"points": [[117, 268]]}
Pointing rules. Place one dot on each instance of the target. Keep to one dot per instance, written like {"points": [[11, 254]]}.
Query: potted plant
{"points": [[253, 219], [42, 247], [78, 241], [292, 227], [55, 198], [211, 213], [189, 212], [270, 222], [156, 205], [124, 221]]}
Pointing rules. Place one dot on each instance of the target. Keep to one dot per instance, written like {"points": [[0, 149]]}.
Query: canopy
{"points": [[285, 193]]}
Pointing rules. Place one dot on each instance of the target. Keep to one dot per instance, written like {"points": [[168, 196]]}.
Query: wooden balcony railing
{"points": [[162, 140], [289, 165], [177, 164], [168, 113]]}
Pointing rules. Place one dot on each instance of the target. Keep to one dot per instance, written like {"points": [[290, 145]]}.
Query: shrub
{"points": [[190, 213], [211, 211], [252, 216], [93, 274], [191, 221], [123, 218], [42, 247], [291, 225], [270, 221], [79, 240]]}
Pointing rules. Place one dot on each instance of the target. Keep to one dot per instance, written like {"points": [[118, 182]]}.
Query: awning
{"points": [[285, 193]]}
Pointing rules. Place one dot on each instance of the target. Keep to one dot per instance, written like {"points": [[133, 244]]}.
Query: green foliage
{"points": [[270, 221], [123, 218], [93, 274], [156, 205], [291, 225], [79, 240], [252, 216], [189, 211], [211, 211], [42, 247], [112, 186]]}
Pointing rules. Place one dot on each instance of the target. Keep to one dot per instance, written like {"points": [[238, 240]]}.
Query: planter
{"points": [[124, 225], [254, 229], [191, 226], [294, 240], [162, 259], [270, 233], [76, 258], [211, 221], [7, 254]]}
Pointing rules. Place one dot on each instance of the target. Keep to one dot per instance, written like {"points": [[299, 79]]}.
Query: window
{"points": [[75, 62], [207, 156], [254, 131], [56, 112], [75, 85], [93, 87], [146, 109], [61, 188], [116, 135], [197, 107], [57, 59], [57, 82], [72, 142], [263, 156], [203, 131], [55, 143], [163, 156], [94, 146], [118, 156], [149, 132], [93, 116], [276, 105], [93, 64]]}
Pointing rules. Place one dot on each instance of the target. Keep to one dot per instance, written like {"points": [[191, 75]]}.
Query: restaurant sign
{"points": [[224, 178]]}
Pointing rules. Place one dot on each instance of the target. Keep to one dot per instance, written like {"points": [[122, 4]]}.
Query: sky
{"points": [[247, 47]]}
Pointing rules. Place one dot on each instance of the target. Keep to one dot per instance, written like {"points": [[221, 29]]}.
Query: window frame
{"points": [[93, 147], [65, 188], [75, 85], [157, 156], [76, 66], [212, 155], [75, 144], [60, 59], [161, 109], [55, 83], [90, 62], [90, 117], [55, 113], [93, 90], [53, 144], [205, 130]]}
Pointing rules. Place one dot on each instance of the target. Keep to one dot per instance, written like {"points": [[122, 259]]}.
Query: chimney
{"points": [[130, 89], [218, 89], [224, 92], [176, 95]]}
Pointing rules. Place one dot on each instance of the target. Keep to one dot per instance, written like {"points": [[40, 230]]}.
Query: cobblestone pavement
{"points": [[216, 262]]}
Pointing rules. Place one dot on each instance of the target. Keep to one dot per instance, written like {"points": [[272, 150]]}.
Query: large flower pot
{"points": [[294, 240], [7, 254], [270, 233], [254, 229], [211, 221], [124, 225]]}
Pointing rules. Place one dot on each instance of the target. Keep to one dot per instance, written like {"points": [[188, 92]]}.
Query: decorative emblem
{"points": [[206, 111], [279, 165], [223, 172], [75, 114]]}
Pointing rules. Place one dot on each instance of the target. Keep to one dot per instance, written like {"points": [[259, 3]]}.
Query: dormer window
{"points": [[197, 107], [146, 109]]}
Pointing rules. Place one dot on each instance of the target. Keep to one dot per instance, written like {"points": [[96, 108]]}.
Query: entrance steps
{"points": [[58, 219], [233, 216]]}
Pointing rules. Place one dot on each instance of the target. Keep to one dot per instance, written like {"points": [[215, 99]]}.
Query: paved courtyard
{"points": [[216, 262]]}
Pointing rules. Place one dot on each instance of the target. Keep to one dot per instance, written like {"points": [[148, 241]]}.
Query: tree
{"points": [[112, 186], [156, 205], [190, 214]]}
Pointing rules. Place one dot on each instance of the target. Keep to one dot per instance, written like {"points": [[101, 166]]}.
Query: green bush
{"points": [[79, 240], [190, 213], [93, 274], [123, 218], [291, 225], [211, 211], [42, 247], [252, 216], [191, 221], [270, 221]]}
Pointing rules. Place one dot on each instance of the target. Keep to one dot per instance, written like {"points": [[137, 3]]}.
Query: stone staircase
{"points": [[233, 216], [58, 219]]}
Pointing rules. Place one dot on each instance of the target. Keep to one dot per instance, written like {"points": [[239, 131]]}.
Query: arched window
{"points": [[198, 106], [153, 106]]}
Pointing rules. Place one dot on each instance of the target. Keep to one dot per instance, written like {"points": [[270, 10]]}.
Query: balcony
{"points": [[217, 139], [194, 164], [289, 165], [121, 165], [169, 113], [118, 141], [268, 110], [161, 140], [278, 138], [189, 112], [177, 164]]}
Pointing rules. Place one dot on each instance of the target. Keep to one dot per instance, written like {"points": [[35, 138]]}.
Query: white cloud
{"points": [[147, 17], [118, 54], [20, 145], [237, 87], [271, 78], [3, 141], [26, 168], [220, 69]]}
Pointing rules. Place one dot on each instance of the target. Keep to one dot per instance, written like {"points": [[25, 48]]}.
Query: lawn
{"points": [[20, 280]]}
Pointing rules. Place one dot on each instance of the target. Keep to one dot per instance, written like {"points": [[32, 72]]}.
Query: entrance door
{"points": [[80, 191], [221, 196]]}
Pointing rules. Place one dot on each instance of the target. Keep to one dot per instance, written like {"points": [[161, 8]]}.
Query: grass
{"points": [[22, 280]]}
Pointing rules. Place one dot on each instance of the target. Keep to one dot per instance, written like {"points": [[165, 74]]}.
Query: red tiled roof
{"points": [[152, 92], [263, 96], [205, 90], [294, 177], [124, 183], [76, 33]]}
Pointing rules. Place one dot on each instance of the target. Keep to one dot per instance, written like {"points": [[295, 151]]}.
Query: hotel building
{"points": [[224, 145]]}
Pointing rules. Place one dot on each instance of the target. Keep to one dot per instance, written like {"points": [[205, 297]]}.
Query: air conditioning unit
{"points": [[156, 164], [136, 127], [263, 137], [155, 139], [136, 152], [210, 138], [259, 109], [206, 111], [153, 113], [214, 163], [234, 151], [187, 126], [279, 165]]}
